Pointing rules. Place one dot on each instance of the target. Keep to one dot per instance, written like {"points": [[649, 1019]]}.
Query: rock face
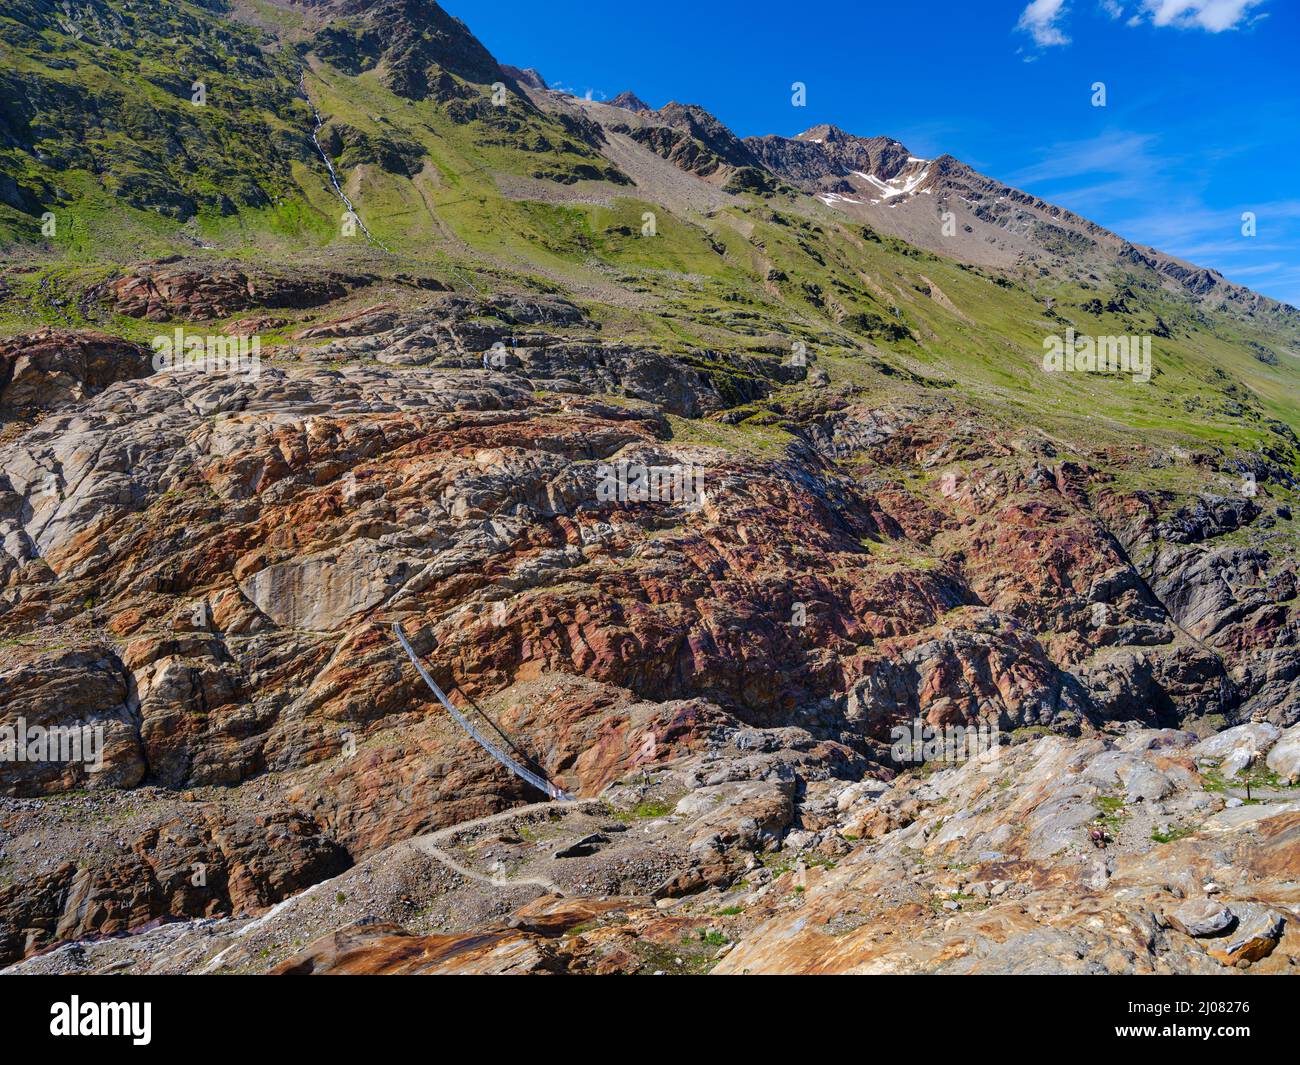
{"points": [[701, 487], [176, 291], [1284, 758], [877, 179], [190, 863], [1201, 917], [827, 152], [222, 555], [386, 950], [629, 101], [990, 868], [529, 76], [87, 695], [694, 141], [1236, 749], [420, 50], [1254, 935], [53, 368]]}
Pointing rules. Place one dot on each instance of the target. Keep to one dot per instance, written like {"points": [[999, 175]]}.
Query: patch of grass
{"points": [[1029, 732], [1173, 835], [1256, 776], [690, 957], [749, 437], [1110, 812], [1213, 780], [777, 863], [937, 902], [642, 811]]}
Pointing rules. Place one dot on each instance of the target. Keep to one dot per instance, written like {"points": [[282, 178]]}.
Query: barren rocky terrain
{"points": [[900, 518]]}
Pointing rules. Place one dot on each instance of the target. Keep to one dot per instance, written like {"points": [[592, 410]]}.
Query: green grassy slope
{"points": [[98, 126]]}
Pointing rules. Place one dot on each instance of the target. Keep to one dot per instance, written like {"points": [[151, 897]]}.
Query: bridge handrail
{"points": [[541, 783]]}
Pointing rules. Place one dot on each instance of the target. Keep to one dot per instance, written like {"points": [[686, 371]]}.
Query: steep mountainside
{"points": [[431, 319], [998, 225]]}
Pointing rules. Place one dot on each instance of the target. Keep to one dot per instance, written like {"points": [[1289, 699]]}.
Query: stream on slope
{"points": [[329, 165]]}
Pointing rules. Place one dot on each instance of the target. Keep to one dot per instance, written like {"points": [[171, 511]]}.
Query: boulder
{"points": [[52, 368], [1201, 917], [1237, 748], [1284, 758], [1255, 935]]}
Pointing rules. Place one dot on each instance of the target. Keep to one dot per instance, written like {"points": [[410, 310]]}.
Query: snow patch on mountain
{"points": [[904, 184]]}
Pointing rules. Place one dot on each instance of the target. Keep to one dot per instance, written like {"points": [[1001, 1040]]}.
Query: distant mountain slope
{"points": [[167, 109], [184, 112], [823, 155], [879, 180], [630, 101], [476, 171]]}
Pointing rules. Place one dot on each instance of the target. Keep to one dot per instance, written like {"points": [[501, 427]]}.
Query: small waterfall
{"points": [[329, 165]]}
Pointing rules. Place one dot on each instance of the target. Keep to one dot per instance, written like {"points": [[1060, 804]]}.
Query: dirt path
{"points": [[441, 855], [428, 844]]}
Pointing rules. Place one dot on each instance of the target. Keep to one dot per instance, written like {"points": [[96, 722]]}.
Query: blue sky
{"points": [[1201, 123]]}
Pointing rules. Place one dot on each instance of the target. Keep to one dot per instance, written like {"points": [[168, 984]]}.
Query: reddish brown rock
{"points": [[386, 950], [258, 323], [365, 320], [166, 292], [202, 863], [256, 539], [66, 723], [53, 368]]}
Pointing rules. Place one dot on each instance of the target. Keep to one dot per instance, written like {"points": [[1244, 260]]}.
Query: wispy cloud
{"points": [[1137, 187], [1044, 20], [1041, 21], [1107, 153], [1213, 15], [1212, 236], [1186, 227]]}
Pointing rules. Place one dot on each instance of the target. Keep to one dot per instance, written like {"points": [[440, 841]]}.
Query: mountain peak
{"points": [[823, 156], [821, 134], [414, 44], [630, 101]]}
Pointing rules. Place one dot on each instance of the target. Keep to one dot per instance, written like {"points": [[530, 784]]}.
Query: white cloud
{"points": [[1127, 154], [1044, 20], [1040, 20], [1213, 15]]}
